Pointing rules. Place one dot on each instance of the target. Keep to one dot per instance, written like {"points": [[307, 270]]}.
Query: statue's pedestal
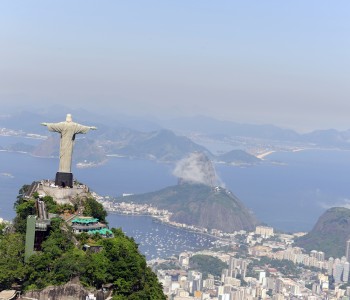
{"points": [[64, 179], [62, 195]]}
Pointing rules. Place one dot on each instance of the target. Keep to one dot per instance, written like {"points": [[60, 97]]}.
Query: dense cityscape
{"points": [[262, 264]]}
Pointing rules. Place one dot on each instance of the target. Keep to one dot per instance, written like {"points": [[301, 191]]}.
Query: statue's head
{"points": [[69, 118]]}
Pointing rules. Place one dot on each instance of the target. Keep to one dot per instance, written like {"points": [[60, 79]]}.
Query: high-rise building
{"points": [[345, 277], [209, 283], [279, 286], [313, 253], [224, 297], [262, 275], [347, 250], [236, 266], [264, 231], [330, 265], [337, 270], [321, 256]]}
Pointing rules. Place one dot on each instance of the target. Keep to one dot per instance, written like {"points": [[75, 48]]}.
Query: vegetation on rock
{"points": [[94, 209], [62, 257], [200, 205], [330, 233]]}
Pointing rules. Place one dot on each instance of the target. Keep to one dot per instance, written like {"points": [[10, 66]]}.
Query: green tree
{"points": [[2, 228], [132, 277], [207, 264], [23, 210], [21, 195], [12, 267], [94, 209], [51, 204], [70, 264], [96, 272]]}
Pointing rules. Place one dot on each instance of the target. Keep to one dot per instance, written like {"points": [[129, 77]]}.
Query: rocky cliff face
{"points": [[69, 291], [330, 233], [201, 205]]}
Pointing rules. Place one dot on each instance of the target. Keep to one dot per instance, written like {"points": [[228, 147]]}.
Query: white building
{"points": [[264, 231]]}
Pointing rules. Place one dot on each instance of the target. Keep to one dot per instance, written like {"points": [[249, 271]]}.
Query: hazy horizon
{"points": [[140, 118], [281, 63]]}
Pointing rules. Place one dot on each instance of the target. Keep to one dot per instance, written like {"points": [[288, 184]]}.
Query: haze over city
{"points": [[211, 150], [279, 62]]}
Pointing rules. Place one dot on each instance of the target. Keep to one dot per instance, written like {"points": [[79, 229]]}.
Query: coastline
{"points": [[170, 224], [267, 153], [263, 155], [84, 165]]}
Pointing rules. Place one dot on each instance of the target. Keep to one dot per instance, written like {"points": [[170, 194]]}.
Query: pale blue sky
{"points": [[281, 62]]}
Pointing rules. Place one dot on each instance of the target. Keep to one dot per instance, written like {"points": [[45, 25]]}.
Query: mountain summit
{"points": [[200, 205], [198, 199], [330, 233], [196, 168]]}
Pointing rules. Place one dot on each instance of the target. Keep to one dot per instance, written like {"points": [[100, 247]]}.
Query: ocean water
{"points": [[293, 193], [289, 191], [116, 177]]}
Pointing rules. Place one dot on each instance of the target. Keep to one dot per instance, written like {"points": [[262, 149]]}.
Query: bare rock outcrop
{"points": [[69, 291]]}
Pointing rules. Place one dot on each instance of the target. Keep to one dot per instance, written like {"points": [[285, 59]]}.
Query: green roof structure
{"points": [[86, 220], [103, 231]]}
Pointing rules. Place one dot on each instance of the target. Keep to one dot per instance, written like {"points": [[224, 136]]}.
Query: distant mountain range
{"points": [[161, 145], [200, 205], [158, 139], [212, 126], [330, 233], [216, 128], [29, 121]]}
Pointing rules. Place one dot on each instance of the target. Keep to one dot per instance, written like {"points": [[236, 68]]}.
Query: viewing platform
{"points": [[60, 194]]}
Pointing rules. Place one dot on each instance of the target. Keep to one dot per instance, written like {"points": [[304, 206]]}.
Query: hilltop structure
{"points": [[68, 129], [60, 243], [61, 194], [90, 225], [37, 229]]}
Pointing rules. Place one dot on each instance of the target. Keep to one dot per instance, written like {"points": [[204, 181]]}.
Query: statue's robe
{"points": [[68, 130]]}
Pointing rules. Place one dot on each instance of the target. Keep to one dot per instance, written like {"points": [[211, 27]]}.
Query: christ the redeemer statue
{"points": [[68, 130]]}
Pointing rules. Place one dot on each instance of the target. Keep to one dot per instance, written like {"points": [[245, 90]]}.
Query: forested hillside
{"points": [[62, 257]]}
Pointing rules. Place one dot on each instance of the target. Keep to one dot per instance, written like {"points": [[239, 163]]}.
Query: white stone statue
{"points": [[68, 130]]}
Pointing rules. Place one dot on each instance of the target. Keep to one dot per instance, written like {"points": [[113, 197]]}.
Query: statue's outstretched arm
{"points": [[83, 129], [56, 127]]}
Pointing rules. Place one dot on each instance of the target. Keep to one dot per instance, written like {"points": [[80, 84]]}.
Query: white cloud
{"points": [[196, 168], [345, 202]]}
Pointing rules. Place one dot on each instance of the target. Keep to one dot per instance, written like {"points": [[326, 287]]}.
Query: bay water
{"points": [[289, 191]]}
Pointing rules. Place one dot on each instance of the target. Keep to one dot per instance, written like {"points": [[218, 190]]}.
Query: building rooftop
{"points": [[85, 220], [103, 231]]}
